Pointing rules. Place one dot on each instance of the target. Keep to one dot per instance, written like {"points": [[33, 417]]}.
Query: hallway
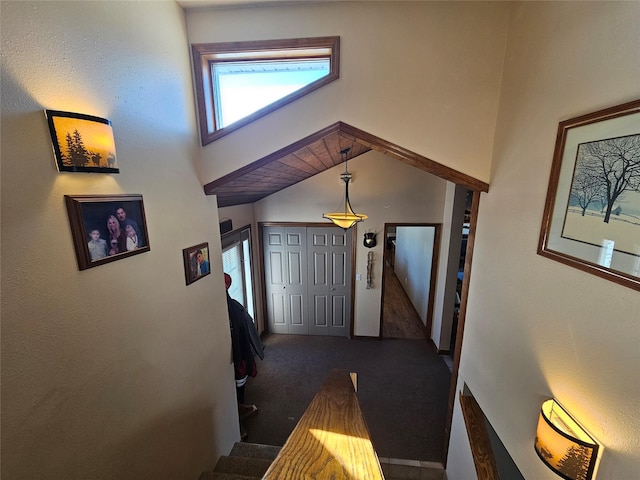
{"points": [[399, 317]]}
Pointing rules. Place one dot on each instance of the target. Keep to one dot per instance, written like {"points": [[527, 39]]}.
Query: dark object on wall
{"points": [[369, 240], [106, 228], [82, 143], [196, 262], [225, 226]]}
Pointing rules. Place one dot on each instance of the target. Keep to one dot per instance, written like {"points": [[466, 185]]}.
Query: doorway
{"points": [[408, 279]]}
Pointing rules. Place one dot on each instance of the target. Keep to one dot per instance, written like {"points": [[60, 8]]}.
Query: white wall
{"points": [[536, 328], [387, 190], [119, 371], [414, 258]]}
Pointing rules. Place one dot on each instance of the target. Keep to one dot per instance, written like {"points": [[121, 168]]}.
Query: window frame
{"points": [[242, 239], [205, 54]]}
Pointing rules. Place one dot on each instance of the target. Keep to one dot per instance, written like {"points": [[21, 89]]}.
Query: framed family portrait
{"points": [[82, 143], [196, 262], [592, 211], [106, 228]]}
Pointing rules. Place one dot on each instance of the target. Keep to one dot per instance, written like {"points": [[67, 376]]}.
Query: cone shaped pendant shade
{"points": [[346, 218]]}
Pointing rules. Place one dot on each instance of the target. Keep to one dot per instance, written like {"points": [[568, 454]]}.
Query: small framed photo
{"points": [[592, 213], [82, 143], [106, 228], [196, 262]]}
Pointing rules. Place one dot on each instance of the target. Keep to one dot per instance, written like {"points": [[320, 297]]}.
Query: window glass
{"points": [[236, 261], [241, 89]]}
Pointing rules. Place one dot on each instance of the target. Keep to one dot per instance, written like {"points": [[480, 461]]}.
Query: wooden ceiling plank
{"points": [[298, 163], [310, 158], [322, 153], [315, 154], [283, 170]]}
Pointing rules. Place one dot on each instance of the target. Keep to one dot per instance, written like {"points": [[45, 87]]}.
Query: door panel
{"points": [[340, 283], [285, 275], [275, 281], [319, 314], [277, 314], [319, 280], [308, 280], [338, 312]]}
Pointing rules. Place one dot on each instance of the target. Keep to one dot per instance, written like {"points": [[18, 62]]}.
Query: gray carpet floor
{"points": [[403, 387]]}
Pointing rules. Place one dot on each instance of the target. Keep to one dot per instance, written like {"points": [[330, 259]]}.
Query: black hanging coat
{"points": [[245, 341]]}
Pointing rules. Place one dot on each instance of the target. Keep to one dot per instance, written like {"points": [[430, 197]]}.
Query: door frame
{"points": [[224, 238], [262, 270], [473, 223]]}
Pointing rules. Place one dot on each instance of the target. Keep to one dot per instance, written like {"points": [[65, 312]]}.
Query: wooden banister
{"points": [[331, 440]]}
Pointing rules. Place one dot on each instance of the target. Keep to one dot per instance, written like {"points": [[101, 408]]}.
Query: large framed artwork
{"points": [[592, 212], [106, 228]]}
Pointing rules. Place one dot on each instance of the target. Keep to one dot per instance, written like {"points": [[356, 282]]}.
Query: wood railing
{"points": [[331, 440]]}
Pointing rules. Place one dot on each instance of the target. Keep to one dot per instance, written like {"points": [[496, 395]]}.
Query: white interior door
{"points": [[308, 280], [286, 279], [328, 255]]}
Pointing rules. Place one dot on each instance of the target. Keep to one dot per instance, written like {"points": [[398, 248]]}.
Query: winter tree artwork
{"points": [[592, 213], [82, 143]]}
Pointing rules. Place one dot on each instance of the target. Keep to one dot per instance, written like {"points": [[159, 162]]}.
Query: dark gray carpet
{"points": [[403, 387]]}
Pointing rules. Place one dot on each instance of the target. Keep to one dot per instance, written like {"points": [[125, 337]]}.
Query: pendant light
{"points": [[347, 218]]}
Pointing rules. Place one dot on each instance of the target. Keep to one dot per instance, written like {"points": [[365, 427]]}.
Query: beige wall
{"points": [[134, 380], [537, 328], [423, 75], [119, 371], [386, 190]]}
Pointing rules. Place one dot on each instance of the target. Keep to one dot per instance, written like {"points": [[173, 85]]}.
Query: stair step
{"points": [[255, 450], [224, 476], [398, 469], [250, 467]]}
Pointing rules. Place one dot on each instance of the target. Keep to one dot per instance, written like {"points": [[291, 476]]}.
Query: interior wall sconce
{"points": [[369, 240], [563, 445], [82, 143], [346, 218]]}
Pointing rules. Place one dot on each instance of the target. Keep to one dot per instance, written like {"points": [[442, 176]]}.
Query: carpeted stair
{"points": [[246, 461], [397, 469]]}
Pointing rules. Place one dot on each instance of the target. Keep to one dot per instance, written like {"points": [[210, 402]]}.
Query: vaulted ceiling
{"points": [[315, 154]]}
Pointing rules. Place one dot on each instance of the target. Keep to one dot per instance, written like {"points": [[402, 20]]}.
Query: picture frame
{"points": [[196, 262], [82, 143], [591, 217], [106, 228]]}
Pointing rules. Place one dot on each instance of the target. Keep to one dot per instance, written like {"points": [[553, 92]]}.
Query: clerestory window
{"points": [[239, 82]]}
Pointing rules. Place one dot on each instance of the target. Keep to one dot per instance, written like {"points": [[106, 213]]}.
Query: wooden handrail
{"points": [[331, 440]]}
